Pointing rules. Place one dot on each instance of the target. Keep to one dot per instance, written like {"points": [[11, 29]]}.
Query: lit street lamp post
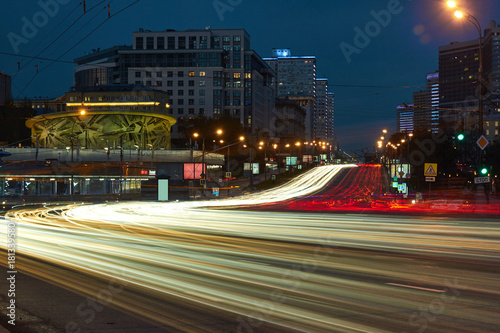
{"points": [[204, 174], [459, 13]]}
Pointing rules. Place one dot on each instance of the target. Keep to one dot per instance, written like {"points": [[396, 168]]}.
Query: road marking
{"points": [[414, 287]]}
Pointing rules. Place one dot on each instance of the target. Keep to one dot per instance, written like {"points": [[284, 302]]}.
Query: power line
{"points": [[81, 40], [60, 23], [35, 57]]}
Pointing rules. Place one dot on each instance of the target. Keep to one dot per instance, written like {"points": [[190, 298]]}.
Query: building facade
{"points": [[205, 72], [290, 121], [331, 136], [296, 79], [321, 120], [426, 106], [107, 116], [459, 76], [406, 118]]}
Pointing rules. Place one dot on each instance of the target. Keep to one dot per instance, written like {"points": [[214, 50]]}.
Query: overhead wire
{"points": [[81, 40], [46, 36]]}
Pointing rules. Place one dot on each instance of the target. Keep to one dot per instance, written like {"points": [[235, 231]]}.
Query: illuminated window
{"points": [[191, 74], [202, 73], [237, 75]]}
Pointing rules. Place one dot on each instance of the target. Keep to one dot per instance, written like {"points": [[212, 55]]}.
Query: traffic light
{"points": [[460, 137], [483, 171]]}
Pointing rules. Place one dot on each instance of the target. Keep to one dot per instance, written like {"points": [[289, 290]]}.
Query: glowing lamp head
{"points": [[451, 4], [196, 135], [459, 14], [219, 131], [82, 112], [242, 138], [460, 137]]}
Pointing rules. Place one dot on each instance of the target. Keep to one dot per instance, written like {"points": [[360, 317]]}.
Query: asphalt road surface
{"points": [[203, 267]]}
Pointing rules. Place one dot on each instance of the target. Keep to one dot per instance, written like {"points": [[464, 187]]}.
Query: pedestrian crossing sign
{"points": [[430, 169]]}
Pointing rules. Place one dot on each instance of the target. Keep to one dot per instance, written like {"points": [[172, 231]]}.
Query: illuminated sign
{"points": [[113, 104], [188, 170], [291, 160]]}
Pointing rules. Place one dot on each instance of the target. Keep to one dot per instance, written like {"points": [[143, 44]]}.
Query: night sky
{"points": [[395, 59]]}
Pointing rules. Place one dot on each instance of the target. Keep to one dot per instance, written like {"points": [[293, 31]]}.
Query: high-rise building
{"points": [[406, 118], [205, 72], [5, 88], [458, 80], [320, 119], [426, 106], [331, 137], [492, 75], [296, 79]]}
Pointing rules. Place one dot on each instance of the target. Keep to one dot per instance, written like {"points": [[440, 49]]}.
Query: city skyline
{"points": [[382, 71]]}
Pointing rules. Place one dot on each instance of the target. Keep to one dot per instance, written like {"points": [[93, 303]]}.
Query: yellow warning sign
{"points": [[430, 169]]}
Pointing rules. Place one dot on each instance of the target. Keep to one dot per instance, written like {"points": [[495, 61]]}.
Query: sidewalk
{"points": [[4, 330]]}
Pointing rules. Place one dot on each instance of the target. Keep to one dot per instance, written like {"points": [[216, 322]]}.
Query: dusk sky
{"points": [[401, 49]]}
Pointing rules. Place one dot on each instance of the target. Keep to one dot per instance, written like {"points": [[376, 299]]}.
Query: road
{"points": [[202, 267]]}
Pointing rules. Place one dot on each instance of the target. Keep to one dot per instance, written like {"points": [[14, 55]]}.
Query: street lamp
{"points": [[196, 135]]}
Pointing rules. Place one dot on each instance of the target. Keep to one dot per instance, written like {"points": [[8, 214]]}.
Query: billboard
{"points": [[291, 160], [247, 167], [188, 170]]}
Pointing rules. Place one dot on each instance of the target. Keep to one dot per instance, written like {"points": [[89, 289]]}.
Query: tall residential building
{"points": [[426, 105], [492, 74], [406, 118], [331, 136], [296, 79], [320, 119], [5, 88], [205, 72], [458, 81]]}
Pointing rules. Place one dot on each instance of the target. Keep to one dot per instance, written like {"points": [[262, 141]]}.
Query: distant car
{"points": [[447, 204]]}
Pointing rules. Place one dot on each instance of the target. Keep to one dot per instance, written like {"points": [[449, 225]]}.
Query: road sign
{"points": [[401, 173], [430, 179], [430, 169], [481, 180], [395, 179], [215, 190], [395, 184], [408, 175], [220, 180], [402, 188], [482, 142], [203, 181], [228, 175]]}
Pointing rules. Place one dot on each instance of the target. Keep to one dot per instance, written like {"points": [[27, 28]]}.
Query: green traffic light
{"points": [[460, 137], [484, 171]]}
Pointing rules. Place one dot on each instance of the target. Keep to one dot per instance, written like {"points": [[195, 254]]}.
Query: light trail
{"points": [[299, 271]]}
